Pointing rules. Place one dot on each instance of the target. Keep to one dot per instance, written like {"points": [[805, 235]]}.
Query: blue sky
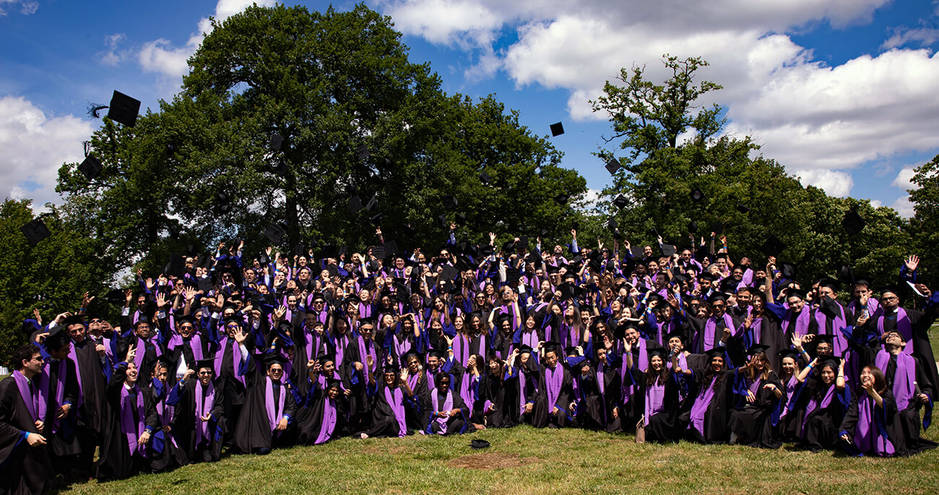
{"points": [[841, 92]]}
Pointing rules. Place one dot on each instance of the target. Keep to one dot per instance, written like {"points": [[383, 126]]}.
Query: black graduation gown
{"points": [[23, 469], [752, 423], [920, 322], [662, 425], [65, 441], [611, 394], [822, 424], [494, 390], [233, 392], [542, 414], [591, 411], [169, 455], [91, 414], [116, 461], [718, 411], [183, 397], [885, 416], [253, 432], [357, 383], [383, 420], [455, 424], [310, 415]]}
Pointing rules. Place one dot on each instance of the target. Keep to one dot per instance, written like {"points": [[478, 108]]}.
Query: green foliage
{"points": [[50, 276], [925, 222], [358, 118], [747, 198]]}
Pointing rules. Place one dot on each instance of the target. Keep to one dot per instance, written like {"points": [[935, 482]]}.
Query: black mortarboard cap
{"points": [[693, 227], [755, 348], [788, 270], [717, 351], [773, 246], [273, 358], [742, 208], [484, 177], [557, 129], [637, 251], [612, 166], [205, 363], [277, 141], [668, 249], [479, 443], [274, 233], [620, 201], [696, 195], [853, 223], [35, 231], [123, 109], [792, 291], [794, 354], [56, 339], [175, 267], [657, 351], [355, 203], [90, 167], [828, 339]]}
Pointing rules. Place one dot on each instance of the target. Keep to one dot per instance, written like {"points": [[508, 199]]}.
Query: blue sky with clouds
{"points": [[842, 92]]}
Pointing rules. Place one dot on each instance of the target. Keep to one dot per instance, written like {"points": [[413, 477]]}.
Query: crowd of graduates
{"points": [[228, 354]]}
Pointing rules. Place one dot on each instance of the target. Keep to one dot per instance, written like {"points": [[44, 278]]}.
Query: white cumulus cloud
{"points": [[34, 147], [833, 182], [161, 56], [904, 179]]}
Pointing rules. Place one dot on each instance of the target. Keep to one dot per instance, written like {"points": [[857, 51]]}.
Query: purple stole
{"points": [[530, 338], [401, 346], [395, 400], [165, 413], [236, 359], [312, 342], [78, 376], [867, 435], [205, 401], [553, 381], [700, 407], [467, 387], [30, 398], [274, 411], [790, 390], [655, 400], [904, 379], [328, 423], [601, 382], [837, 326], [195, 344], [461, 348], [341, 343], [363, 355], [412, 380], [753, 335], [522, 400], [447, 406], [365, 310], [904, 328], [802, 323], [570, 336], [43, 386], [142, 351], [131, 430], [814, 404], [710, 331]]}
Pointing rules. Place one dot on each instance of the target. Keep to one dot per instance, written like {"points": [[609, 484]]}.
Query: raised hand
{"points": [[240, 336], [911, 262]]}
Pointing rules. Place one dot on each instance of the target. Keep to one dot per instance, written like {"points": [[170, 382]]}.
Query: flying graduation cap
{"points": [[274, 233], [696, 195], [35, 231], [90, 167], [612, 166], [123, 109], [277, 141], [853, 223], [620, 201], [557, 129]]}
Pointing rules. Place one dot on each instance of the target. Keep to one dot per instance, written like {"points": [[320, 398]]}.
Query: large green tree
{"points": [[925, 221], [356, 118], [744, 195]]}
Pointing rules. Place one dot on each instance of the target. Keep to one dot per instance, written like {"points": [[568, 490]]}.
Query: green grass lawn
{"points": [[525, 460]]}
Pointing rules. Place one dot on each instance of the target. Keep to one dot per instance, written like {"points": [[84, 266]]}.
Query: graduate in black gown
{"points": [[871, 424], [126, 450], [446, 412], [755, 419], [494, 390], [825, 401], [589, 411], [660, 393], [554, 405], [90, 359], [199, 405], [165, 452], [902, 376], [707, 419], [59, 398], [25, 464], [322, 415], [388, 412], [266, 419]]}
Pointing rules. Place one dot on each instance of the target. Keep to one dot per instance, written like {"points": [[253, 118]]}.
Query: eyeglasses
{"points": [[891, 298], [205, 373]]}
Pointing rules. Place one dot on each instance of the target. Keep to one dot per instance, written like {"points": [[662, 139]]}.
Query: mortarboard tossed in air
{"points": [[277, 141], [274, 233], [612, 166], [557, 129], [853, 223], [123, 109], [620, 201], [35, 231], [696, 195], [90, 167]]}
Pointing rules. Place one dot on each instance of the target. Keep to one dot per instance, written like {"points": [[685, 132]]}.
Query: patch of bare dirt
{"points": [[490, 460]]}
